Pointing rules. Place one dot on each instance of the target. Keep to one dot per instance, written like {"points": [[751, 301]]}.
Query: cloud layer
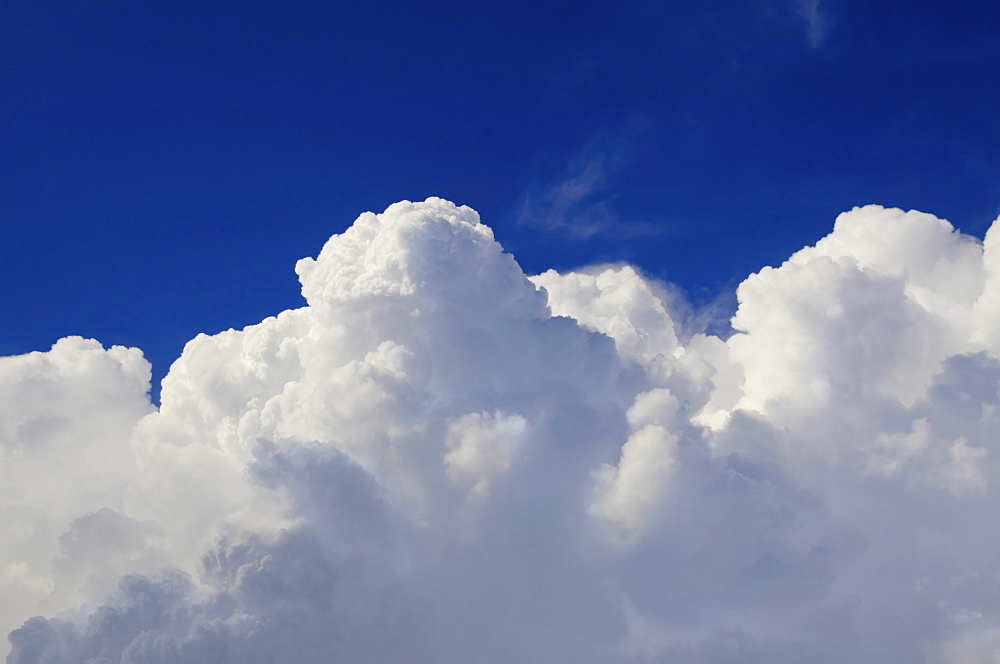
{"points": [[439, 459]]}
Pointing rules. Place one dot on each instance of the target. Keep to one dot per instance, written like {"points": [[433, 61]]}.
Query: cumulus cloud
{"points": [[439, 459], [65, 420]]}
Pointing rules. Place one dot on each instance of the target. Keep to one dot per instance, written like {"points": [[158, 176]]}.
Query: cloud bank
{"points": [[440, 459]]}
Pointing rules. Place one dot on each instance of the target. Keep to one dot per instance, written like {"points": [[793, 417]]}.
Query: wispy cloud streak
{"points": [[817, 22]]}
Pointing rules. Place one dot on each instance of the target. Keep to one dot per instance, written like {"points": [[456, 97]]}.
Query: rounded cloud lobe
{"points": [[439, 459]]}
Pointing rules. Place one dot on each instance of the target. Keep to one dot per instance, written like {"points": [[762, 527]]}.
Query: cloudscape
{"points": [[499, 332], [441, 459]]}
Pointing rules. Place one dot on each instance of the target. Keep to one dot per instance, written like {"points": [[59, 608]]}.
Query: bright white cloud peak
{"points": [[442, 460]]}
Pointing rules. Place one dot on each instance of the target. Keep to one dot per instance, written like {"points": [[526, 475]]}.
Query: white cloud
{"points": [[627, 493], [65, 420], [481, 445], [619, 303], [580, 202], [579, 205], [439, 459], [817, 22]]}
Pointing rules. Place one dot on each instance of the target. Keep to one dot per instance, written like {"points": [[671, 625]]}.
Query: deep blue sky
{"points": [[163, 164]]}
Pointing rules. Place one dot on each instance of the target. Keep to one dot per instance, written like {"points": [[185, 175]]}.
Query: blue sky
{"points": [[164, 164]]}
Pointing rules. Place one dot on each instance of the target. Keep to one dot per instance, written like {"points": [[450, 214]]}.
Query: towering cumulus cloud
{"points": [[439, 459]]}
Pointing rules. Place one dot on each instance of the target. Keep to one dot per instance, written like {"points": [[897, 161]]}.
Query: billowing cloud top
{"points": [[439, 459]]}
